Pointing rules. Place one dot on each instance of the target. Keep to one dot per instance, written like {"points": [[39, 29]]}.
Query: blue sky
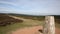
{"points": [[31, 7]]}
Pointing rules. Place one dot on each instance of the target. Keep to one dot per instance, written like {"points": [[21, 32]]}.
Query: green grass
{"points": [[12, 27], [34, 21], [29, 23], [5, 29], [57, 25]]}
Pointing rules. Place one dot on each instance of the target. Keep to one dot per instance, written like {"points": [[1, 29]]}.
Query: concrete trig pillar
{"points": [[49, 25]]}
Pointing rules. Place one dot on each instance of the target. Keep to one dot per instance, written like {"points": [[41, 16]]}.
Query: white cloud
{"points": [[5, 9], [33, 6], [11, 3]]}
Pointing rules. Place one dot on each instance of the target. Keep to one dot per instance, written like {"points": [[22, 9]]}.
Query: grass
{"points": [[5, 29], [12, 27], [26, 23], [57, 25]]}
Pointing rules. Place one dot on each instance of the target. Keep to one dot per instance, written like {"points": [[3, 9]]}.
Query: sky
{"points": [[30, 7]]}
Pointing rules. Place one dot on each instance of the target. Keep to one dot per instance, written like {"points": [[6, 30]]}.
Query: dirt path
{"points": [[57, 30], [18, 17], [31, 30], [28, 21]]}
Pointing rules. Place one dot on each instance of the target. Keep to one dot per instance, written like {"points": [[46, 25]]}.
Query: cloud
{"points": [[11, 3], [5, 9], [31, 6]]}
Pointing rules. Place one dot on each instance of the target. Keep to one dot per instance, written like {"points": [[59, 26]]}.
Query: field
{"points": [[28, 21], [25, 23]]}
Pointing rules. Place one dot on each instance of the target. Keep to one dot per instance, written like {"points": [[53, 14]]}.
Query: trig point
{"points": [[49, 25]]}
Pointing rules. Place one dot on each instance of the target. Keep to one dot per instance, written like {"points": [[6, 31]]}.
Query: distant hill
{"points": [[57, 17], [5, 20]]}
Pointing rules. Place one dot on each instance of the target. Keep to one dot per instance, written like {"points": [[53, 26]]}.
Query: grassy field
{"points": [[5, 29], [26, 23]]}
